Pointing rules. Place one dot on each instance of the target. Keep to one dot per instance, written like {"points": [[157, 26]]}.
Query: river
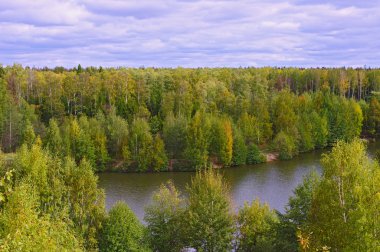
{"points": [[271, 182]]}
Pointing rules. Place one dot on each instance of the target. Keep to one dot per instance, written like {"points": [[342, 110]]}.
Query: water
{"points": [[270, 182]]}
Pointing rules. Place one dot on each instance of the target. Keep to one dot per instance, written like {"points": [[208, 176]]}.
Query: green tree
{"points": [[254, 155], [286, 146], [221, 140], [209, 221], [28, 135], [296, 214], [53, 139], [25, 228], [373, 120], [320, 130], [174, 135], [343, 213], [165, 219], [255, 227], [122, 230], [86, 201], [159, 158], [239, 149], [141, 143], [197, 140]]}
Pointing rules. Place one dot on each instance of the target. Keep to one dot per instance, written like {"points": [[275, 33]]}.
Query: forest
{"points": [[60, 127], [152, 119]]}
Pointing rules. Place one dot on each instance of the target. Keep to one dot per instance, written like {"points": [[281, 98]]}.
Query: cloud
{"points": [[189, 33]]}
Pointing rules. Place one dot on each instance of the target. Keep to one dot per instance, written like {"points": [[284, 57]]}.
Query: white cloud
{"points": [[188, 33]]}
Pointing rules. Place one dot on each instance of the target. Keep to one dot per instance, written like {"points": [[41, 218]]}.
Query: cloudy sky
{"points": [[190, 33]]}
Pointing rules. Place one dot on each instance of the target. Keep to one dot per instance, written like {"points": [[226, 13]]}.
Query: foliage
{"points": [[239, 149], [25, 228], [122, 230], [100, 111], [285, 145], [165, 219], [197, 141], [255, 222], [159, 158], [343, 213], [209, 221], [296, 214], [254, 155]]}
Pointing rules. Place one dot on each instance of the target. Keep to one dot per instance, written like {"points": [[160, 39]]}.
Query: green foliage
{"points": [[254, 155], [192, 110], [141, 143], [28, 136], [221, 140], [209, 221], [239, 149], [285, 145], [159, 158], [53, 140], [122, 230], [86, 201], [296, 214], [24, 228], [64, 190], [373, 117], [174, 134], [255, 223], [117, 134], [166, 220], [197, 141], [343, 213], [320, 130]]}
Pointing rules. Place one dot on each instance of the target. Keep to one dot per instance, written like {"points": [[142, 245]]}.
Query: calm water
{"points": [[270, 182]]}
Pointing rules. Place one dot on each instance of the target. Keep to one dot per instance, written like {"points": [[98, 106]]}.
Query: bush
{"points": [[254, 155]]}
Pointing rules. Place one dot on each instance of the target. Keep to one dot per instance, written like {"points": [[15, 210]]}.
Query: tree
{"points": [[254, 155], [24, 228], [174, 135], [296, 214], [122, 230], [53, 140], [239, 149], [197, 140], [99, 140], [141, 143], [159, 158], [255, 223], [221, 140], [28, 135], [343, 213], [210, 224], [374, 116], [286, 146], [319, 130], [86, 201], [165, 219]]}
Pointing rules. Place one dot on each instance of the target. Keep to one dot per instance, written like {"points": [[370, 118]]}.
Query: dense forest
{"points": [[181, 119], [59, 127]]}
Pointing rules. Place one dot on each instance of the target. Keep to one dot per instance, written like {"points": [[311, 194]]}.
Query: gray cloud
{"points": [[189, 33]]}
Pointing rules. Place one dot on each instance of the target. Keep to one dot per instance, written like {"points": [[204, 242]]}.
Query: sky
{"points": [[190, 33]]}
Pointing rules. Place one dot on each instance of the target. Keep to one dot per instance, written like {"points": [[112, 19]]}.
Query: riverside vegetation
{"points": [[59, 127]]}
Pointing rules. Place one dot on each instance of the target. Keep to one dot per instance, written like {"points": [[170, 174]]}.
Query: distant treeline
{"points": [[158, 119]]}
